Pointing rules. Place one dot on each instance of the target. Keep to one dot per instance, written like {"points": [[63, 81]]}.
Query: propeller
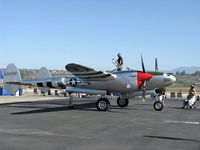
{"points": [[156, 64], [143, 78], [144, 90], [144, 82]]}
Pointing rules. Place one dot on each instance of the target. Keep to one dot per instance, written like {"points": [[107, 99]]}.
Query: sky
{"points": [[53, 33]]}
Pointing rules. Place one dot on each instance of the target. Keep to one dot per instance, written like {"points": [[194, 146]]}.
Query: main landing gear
{"points": [[71, 100], [103, 104], [122, 102]]}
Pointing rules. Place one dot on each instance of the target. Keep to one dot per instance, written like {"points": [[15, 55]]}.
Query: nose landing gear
{"points": [[158, 106], [159, 97]]}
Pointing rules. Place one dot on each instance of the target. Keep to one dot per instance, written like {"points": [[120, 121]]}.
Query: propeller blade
{"points": [[143, 68], [156, 64], [143, 85], [144, 91]]}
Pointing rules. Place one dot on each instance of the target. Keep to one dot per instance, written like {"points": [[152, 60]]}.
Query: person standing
{"points": [[119, 62], [192, 96]]}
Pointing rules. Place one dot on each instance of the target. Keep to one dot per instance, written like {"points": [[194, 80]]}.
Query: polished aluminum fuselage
{"points": [[124, 82]]}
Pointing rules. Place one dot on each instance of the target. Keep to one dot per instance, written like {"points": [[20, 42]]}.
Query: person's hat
{"points": [[192, 86]]}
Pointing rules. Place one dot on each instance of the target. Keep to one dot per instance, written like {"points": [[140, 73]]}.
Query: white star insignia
{"points": [[73, 82]]}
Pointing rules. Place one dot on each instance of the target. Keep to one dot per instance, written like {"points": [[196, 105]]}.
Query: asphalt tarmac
{"points": [[51, 125]]}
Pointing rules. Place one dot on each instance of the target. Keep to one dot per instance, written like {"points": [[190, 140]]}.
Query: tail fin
{"points": [[43, 74], [12, 79]]}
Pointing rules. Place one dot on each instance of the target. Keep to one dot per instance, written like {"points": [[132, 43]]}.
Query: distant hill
{"points": [[188, 70]]}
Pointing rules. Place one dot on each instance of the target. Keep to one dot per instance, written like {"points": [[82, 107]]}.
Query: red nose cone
{"points": [[141, 77]]}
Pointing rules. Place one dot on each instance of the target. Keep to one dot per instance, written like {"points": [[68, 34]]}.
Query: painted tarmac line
{"points": [[181, 122]]}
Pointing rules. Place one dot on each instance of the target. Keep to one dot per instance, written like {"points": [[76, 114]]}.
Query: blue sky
{"points": [[53, 33]]}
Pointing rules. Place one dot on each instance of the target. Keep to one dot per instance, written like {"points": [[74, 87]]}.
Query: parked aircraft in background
{"points": [[128, 84]]}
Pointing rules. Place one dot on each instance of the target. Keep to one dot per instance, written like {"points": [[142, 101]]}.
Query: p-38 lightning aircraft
{"points": [[128, 84]]}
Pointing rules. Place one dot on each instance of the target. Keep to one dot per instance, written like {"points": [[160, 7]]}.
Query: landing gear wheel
{"points": [[122, 103], [103, 104], [158, 106]]}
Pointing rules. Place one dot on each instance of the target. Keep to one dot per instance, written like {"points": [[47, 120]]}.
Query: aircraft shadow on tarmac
{"points": [[85, 106], [82, 107], [172, 138], [56, 106]]}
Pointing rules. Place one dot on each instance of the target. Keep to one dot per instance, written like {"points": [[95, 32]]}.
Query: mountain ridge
{"points": [[187, 69]]}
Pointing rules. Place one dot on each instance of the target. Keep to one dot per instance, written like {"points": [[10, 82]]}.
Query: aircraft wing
{"points": [[88, 74]]}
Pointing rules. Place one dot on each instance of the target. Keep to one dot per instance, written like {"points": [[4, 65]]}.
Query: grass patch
{"points": [[181, 89]]}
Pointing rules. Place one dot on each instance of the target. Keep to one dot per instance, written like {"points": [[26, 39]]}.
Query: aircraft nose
{"points": [[170, 79], [173, 78]]}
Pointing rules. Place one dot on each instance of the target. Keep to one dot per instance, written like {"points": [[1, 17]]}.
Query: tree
{"points": [[183, 73], [197, 73]]}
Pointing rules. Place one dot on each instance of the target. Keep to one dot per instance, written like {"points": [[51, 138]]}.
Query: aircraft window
{"points": [[169, 74]]}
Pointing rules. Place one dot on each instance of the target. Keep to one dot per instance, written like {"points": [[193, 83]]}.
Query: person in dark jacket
{"points": [[119, 62]]}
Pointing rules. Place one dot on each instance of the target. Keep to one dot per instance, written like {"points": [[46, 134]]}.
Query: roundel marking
{"points": [[73, 82]]}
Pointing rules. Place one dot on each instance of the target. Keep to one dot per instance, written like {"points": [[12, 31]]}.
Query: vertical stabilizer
{"points": [[12, 79], [43, 74]]}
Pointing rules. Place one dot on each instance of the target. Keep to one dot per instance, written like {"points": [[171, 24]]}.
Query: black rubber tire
{"points": [[103, 104], [158, 106], [125, 104]]}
